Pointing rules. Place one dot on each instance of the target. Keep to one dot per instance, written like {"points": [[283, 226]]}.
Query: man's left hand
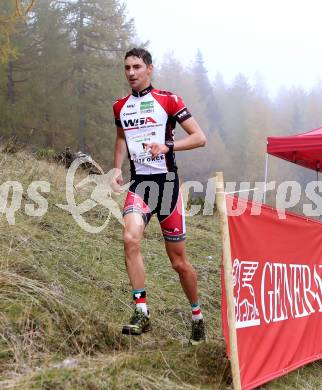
{"points": [[156, 149]]}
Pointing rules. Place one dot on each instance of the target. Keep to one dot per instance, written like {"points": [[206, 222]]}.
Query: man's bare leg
{"points": [[132, 236], [180, 263], [188, 279]]}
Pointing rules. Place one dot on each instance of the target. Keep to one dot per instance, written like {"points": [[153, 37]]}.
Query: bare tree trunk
{"points": [[49, 133], [81, 86], [10, 84]]}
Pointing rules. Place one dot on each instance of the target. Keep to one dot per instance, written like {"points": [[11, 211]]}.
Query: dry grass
{"points": [[64, 294]]}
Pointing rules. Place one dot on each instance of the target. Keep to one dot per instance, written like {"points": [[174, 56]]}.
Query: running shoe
{"points": [[139, 323], [198, 334]]}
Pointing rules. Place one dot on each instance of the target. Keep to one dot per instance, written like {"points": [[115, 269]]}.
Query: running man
{"points": [[145, 121]]}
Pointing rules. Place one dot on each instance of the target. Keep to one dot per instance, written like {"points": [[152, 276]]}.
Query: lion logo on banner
{"points": [[246, 310]]}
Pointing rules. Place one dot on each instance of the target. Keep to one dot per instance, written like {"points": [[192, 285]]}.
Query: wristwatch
{"points": [[170, 145]]}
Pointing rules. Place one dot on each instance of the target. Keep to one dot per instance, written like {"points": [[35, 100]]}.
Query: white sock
{"points": [[143, 307], [196, 312]]}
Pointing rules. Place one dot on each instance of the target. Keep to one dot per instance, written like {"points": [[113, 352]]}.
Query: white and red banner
{"points": [[277, 279]]}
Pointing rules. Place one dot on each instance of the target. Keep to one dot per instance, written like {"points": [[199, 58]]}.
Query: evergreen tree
{"points": [[13, 79], [206, 94], [100, 35], [50, 72], [7, 23], [68, 71], [10, 12]]}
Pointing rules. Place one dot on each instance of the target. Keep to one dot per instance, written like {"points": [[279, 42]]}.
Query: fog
{"points": [[278, 41]]}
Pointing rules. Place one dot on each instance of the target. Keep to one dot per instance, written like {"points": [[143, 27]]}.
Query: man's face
{"points": [[138, 74]]}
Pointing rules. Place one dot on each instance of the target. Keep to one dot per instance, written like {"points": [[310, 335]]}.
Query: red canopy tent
{"points": [[303, 149]]}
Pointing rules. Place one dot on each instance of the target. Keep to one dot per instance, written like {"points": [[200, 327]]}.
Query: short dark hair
{"points": [[140, 53]]}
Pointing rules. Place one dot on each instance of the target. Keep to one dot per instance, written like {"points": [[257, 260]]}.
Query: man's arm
{"points": [[119, 152], [195, 139]]}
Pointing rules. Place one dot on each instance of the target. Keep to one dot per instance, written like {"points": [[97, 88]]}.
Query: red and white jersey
{"points": [[149, 116]]}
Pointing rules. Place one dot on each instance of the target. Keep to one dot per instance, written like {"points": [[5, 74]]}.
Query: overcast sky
{"points": [[280, 39]]}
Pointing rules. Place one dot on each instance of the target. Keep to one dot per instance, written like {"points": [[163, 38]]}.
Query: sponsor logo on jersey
{"points": [[138, 122], [171, 230], [156, 159], [130, 105], [182, 114], [129, 113], [147, 107]]}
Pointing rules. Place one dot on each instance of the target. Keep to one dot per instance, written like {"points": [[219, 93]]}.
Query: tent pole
{"points": [[266, 171], [317, 170], [317, 180]]}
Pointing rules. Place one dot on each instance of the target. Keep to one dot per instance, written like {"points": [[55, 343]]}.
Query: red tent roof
{"points": [[303, 149]]}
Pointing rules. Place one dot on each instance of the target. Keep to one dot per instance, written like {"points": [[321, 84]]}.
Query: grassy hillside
{"points": [[65, 293]]}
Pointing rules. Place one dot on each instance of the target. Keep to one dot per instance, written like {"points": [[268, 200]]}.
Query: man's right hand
{"points": [[117, 182]]}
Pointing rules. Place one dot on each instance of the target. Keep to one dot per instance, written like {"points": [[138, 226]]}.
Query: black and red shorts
{"points": [[158, 194]]}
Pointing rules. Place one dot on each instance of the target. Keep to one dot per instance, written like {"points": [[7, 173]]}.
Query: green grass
{"points": [[65, 293]]}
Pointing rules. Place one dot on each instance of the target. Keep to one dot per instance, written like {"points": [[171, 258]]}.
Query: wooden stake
{"points": [[228, 272], [185, 195]]}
